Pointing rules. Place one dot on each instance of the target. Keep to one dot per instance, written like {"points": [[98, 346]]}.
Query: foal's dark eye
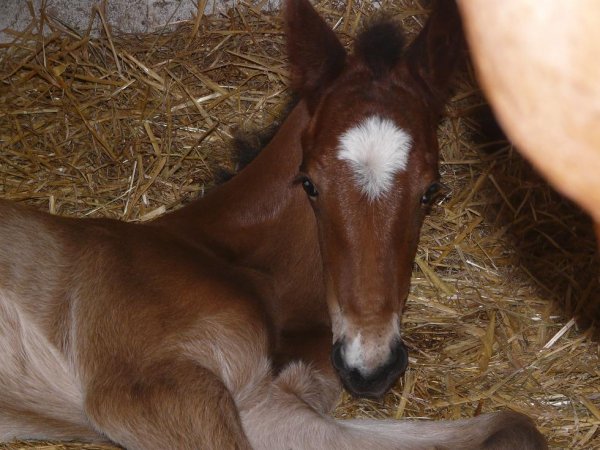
{"points": [[433, 191], [309, 187]]}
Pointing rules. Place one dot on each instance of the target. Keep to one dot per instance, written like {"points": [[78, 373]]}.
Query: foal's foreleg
{"points": [[289, 417], [174, 404], [289, 413]]}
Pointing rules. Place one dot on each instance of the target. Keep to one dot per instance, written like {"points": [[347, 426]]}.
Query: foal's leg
{"points": [[287, 418], [174, 404], [313, 348], [40, 398]]}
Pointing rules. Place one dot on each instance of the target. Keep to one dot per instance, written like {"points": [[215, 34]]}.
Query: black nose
{"points": [[379, 381]]}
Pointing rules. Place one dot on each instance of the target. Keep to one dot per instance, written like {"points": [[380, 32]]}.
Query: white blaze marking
{"points": [[376, 149]]}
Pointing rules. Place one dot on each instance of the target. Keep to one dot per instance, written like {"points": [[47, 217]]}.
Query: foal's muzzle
{"points": [[376, 383]]}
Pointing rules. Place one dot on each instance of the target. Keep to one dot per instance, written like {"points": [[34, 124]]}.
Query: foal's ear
{"points": [[433, 55], [316, 55]]}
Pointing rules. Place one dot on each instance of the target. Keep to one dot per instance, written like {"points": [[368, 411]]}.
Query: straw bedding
{"points": [[133, 126]]}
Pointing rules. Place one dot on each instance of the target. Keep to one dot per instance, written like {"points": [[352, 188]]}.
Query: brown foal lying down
{"points": [[234, 321]]}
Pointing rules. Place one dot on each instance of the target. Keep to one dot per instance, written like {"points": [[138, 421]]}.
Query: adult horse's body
{"points": [[212, 327], [538, 64]]}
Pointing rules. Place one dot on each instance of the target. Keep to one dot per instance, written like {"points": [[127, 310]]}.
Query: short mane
{"points": [[380, 46], [247, 143]]}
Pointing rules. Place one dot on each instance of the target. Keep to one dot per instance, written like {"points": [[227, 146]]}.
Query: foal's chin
{"points": [[376, 384]]}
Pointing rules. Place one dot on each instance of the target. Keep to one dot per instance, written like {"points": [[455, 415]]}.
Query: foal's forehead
{"points": [[376, 150]]}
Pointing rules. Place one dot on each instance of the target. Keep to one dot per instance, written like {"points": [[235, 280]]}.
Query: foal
{"points": [[212, 327]]}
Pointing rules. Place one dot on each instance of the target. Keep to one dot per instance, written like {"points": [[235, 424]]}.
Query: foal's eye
{"points": [[433, 191], [309, 187]]}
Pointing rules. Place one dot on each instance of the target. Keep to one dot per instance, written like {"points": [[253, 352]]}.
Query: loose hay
{"points": [[133, 126]]}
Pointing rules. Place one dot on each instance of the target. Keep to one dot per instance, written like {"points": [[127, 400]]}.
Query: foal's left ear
{"points": [[316, 55], [433, 55]]}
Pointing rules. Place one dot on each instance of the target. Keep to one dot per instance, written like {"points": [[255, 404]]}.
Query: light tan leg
{"points": [[174, 404]]}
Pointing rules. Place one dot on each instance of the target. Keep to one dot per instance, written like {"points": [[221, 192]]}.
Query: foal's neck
{"points": [[261, 222]]}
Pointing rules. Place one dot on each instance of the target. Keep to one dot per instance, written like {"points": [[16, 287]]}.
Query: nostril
{"points": [[400, 355], [336, 356]]}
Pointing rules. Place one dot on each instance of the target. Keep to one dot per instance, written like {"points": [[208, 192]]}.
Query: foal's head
{"points": [[369, 169]]}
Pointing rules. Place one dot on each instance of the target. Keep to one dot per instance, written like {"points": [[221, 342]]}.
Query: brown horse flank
{"points": [[230, 322]]}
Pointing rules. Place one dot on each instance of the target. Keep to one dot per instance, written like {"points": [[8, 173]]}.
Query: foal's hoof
{"points": [[514, 431]]}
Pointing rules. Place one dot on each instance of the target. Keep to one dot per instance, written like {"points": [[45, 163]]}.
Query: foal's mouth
{"points": [[373, 384]]}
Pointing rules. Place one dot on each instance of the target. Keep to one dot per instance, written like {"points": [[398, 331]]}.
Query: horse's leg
{"points": [[287, 418], [16, 422], [174, 404], [39, 396], [312, 347]]}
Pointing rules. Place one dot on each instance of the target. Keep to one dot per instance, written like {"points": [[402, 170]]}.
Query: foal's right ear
{"points": [[316, 55]]}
